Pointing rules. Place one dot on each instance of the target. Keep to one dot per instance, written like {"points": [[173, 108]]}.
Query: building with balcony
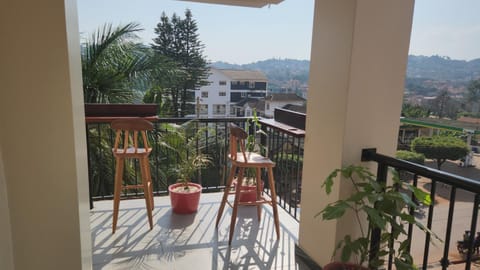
{"points": [[44, 207], [227, 87]]}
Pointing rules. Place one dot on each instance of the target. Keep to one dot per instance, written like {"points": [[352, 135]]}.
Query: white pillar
{"points": [[42, 135], [357, 71]]}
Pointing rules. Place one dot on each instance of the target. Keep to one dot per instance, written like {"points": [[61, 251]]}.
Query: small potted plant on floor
{"points": [[386, 206], [249, 185], [185, 195]]}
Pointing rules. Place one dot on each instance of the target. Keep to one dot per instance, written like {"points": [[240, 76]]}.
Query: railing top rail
{"points": [[283, 127], [156, 119], [434, 174]]}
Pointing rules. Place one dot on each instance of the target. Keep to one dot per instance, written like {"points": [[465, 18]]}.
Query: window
{"points": [[219, 108], [251, 85], [268, 106], [203, 109], [243, 94], [204, 94], [232, 109], [222, 83], [222, 94]]}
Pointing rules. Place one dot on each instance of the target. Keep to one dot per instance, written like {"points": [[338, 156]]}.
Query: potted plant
{"points": [[185, 195], [249, 185], [385, 206]]}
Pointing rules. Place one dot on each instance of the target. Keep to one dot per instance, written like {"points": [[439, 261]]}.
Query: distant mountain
{"points": [[442, 68], [278, 71], [426, 75]]}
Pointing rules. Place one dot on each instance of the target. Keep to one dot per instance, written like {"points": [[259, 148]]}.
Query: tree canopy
{"points": [[178, 41], [440, 148], [113, 65]]}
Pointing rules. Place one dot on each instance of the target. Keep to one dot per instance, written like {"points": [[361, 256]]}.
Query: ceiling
{"points": [[244, 3]]}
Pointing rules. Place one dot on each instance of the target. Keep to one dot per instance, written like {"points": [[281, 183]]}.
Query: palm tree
{"points": [[113, 65]]}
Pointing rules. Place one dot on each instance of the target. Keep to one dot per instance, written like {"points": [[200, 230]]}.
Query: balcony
{"points": [[187, 241], [182, 241]]}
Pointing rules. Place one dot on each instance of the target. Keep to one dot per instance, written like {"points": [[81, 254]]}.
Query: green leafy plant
{"points": [[385, 206], [252, 146], [183, 140]]}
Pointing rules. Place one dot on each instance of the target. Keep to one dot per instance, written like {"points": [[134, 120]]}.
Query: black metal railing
{"points": [[283, 146], [448, 192]]}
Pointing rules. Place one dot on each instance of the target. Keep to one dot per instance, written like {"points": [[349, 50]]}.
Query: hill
{"points": [[426, 75]]}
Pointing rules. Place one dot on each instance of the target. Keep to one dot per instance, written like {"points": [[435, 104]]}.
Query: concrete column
{"points": [[358, 64], [42, 135]]}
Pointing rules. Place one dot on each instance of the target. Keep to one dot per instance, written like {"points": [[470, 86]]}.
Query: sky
{"points": [[241, 35]]}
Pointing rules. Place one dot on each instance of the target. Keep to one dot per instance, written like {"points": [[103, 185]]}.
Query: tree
{"points": [[440, 148], [414, 111], [473, 95], [444, 106], [113, 64], [177, 40]]}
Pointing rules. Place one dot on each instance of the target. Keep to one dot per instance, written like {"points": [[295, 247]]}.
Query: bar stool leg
{"points": [[150, 184], [274, 200], [259, 193], [235, 204], [146, 190], [225, 194], [117, 191]]}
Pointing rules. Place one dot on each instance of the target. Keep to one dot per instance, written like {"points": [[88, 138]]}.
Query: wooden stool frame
{"points": [[128, 145], [243, 160]]}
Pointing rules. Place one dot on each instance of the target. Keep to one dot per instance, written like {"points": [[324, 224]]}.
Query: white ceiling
{"points": [[244, 3]]}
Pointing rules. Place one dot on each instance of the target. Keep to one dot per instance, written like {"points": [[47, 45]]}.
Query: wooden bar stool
{"points": [[128, 145], [243, 160]]}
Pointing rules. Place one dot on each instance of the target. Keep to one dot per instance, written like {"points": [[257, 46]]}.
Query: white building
{"points": [[226, 88], [275, 100]]}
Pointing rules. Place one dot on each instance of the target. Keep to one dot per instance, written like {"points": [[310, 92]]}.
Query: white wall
{"points": [[6, 255], [278, 104], [352, 106], [42, 135], [213, 90]]}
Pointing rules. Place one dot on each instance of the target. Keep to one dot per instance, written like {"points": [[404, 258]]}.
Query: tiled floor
{"points": [[191, 241]]}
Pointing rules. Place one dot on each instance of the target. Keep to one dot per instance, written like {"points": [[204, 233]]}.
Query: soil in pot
{"points": [[343, 266], [185, 201], [249, 191]]}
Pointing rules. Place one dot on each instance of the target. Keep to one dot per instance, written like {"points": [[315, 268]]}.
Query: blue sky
{"points": [[244, 35]]}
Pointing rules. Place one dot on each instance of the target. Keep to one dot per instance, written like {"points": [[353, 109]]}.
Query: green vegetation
{"points": [[418, 158], [188, 159], [113, 65], [385, 206], [177, 41], [440, 148], [414, 111]]}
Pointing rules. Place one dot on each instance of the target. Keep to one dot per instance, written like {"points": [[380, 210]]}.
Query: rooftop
{"points": [[244, 75]]}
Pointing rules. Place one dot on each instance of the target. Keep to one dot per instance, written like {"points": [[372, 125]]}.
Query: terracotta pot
{"points": [[183, 201], [248, 192], [343, 266]]}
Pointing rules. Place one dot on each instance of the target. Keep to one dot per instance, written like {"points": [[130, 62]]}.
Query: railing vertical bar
{"points": [[429, 224], [444, 261], [297, 178], [382, 172], [90, 180], [473, 227], [289, 173], [282, 183], [225, 161], [412, 212]]}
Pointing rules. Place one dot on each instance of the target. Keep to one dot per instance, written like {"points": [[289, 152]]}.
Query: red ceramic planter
{"points": [[248, 193], [185, 202], [343, 266]]}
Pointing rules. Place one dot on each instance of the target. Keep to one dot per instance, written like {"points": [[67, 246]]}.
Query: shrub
{"points": [[440, 148], [418, 158]]}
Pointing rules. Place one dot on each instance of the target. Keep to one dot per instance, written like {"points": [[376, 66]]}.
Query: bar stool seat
{"points": [[246, 160], [128, 145]]}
